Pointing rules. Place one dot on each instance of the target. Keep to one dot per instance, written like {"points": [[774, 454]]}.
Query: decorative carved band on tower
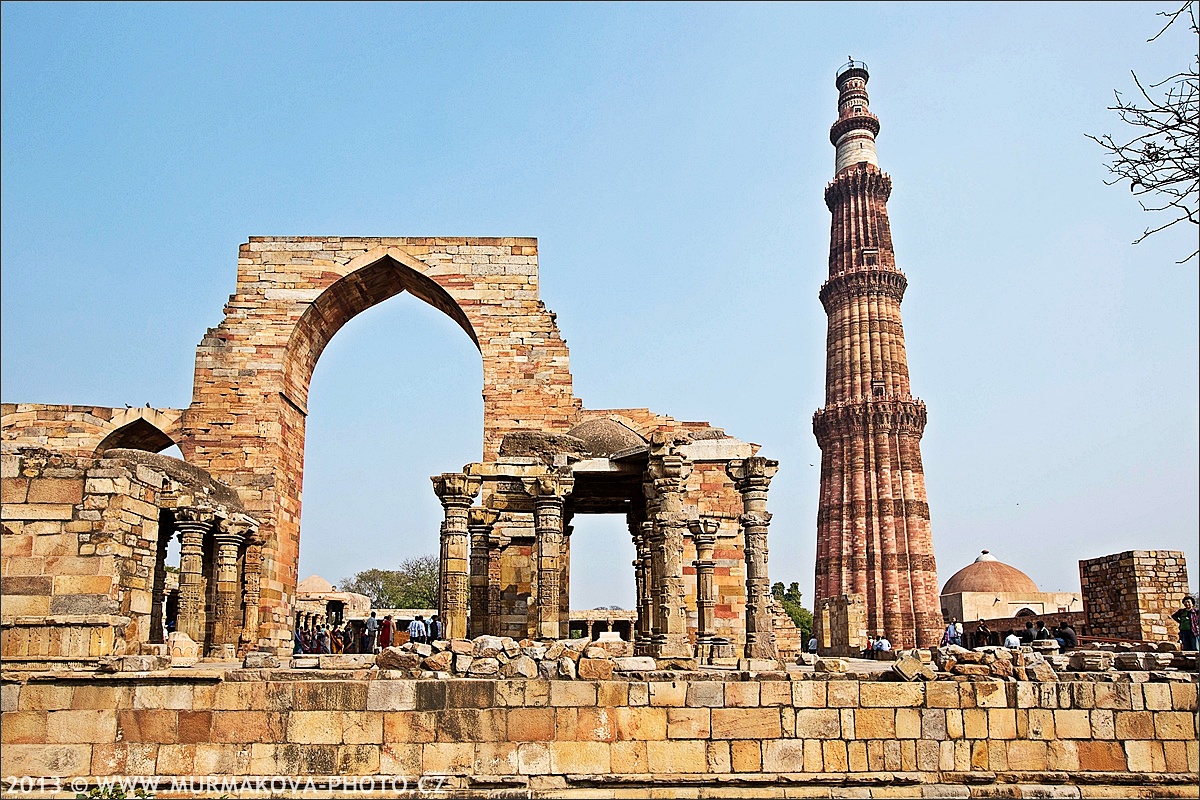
{"points": [[873, 534]]}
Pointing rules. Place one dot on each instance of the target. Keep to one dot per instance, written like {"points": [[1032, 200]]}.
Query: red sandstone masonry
{"points": [[873, 531]]}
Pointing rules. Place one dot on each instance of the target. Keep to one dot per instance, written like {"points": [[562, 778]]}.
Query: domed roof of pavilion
{"points": [[315, 584], [989, 574], [604, 437]]}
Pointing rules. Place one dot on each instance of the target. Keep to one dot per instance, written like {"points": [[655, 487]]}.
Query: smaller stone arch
{"points": [[148, 429]]}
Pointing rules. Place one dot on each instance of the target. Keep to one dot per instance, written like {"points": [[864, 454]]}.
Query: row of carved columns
{"points": [[470, 555], [235, 624]]}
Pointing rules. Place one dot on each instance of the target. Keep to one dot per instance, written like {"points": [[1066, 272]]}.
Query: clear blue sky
{"points": [[671, 160]]}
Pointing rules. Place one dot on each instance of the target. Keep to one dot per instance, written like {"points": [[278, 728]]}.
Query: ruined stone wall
{"points": [[755, 738], [1132, 595], [79, 549], [77, 536], [84, 431], [247, 417], [841, 625]]}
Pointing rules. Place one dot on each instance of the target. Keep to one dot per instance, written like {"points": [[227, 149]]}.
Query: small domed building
{"points": [[989, 589]]}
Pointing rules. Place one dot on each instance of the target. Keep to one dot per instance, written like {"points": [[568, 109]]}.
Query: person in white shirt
{"points": [[416, 630], [1012, 640], [372, 630], [882, 643]]}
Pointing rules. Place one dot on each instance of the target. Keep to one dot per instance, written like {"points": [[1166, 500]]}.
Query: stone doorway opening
{"points": [[366, 501]]}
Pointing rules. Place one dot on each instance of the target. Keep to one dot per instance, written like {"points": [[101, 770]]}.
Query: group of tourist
{"points": [[1064, 635], [318, 639], [380, 634]]}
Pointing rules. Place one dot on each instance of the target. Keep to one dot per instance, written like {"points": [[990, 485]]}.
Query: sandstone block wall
{"points": [[86, 431], [1132, 595], [805, 738]]}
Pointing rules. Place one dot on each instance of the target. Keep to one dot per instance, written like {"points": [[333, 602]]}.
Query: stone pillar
{"points": [[251, 586], [752, 477], [229, 536], [193, 525], [669, 470], [647, 596], [479, 525], [549, 495], [496, 545], [456, 490], [704, 534]]}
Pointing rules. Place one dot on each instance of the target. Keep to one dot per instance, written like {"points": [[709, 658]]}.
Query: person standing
{"points": [[385, 632], [1188, 624], [416, 630], [435, 631], [372, 632]]}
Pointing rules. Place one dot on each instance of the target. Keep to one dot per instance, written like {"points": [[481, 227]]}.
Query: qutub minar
{"points": [[873, 535]]}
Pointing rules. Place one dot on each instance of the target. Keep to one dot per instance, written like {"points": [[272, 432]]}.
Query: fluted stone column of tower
{"points": [[873, 535]]}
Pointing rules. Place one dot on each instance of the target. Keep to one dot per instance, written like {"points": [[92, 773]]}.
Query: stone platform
{"points": [[773, 735]]}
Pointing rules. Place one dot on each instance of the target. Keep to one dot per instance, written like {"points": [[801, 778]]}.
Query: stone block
{"points": [[891, 695], [576, 694], [821, 723], [706, 693], [1099, 756], [520, 667], [592, 669], [397, 659], [1172, 725], [746, 723], [1134, 725], [676, 756], [533, 758], [384, 695], [645, 723], [673, 693], [1002, 723], [908, 723], [1091, 661], [831, 665], [873, 723], [595, 724], [447, 758], [634, 664], [61, 760], [688, 723], [744, 694], [586, 758], [410, 727]]}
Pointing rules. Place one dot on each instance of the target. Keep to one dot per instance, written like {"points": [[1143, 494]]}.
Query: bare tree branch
{"points": [[1162, 162]]}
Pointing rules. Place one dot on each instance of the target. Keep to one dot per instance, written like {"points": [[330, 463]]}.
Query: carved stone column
{"points": [[251, 587], [456, 490], [669, 470], [752, 477], [647, 596], [704, 534], [479, 525], [229, 536], [193, 525], [549, 494]]}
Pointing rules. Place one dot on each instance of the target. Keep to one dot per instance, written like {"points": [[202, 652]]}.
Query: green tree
{"points": [[1158, 157], [414, 584], [790, 598]]}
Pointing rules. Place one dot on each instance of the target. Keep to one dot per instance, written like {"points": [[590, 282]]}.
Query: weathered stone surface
{"points": [[520, 667], [396, 658], [260, 660], [593, 669], [484, 667], [634, 664], [831, 665], [439, 662], [566, 668]]}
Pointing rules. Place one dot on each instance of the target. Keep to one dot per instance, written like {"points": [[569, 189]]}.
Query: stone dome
{"points": [[604, 437], [314, 584], [988, 574]]}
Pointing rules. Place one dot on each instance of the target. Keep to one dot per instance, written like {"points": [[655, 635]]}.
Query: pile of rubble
{"points": [[994, 662], [504, 657]]}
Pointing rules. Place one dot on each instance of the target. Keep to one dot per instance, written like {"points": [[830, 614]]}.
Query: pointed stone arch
{"points": [[146, 429], [375, 276]]}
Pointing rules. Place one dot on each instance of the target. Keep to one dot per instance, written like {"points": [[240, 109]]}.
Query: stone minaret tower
{"points": [[873, 533]]}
